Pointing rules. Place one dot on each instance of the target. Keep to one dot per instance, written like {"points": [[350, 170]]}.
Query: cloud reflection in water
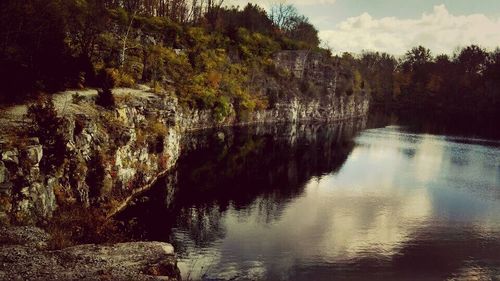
{"points": [[314, 203]]}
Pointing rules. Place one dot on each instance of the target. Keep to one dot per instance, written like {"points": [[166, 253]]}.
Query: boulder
{"points": [[34, 154], [25, 256], [11, 156]]}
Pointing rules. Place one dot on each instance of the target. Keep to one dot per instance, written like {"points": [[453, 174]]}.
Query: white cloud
{"points": [[268, 3], [439, 30]]}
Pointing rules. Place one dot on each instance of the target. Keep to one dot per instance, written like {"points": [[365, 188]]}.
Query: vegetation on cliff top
{"points": [[205, 53], [210, 55]]}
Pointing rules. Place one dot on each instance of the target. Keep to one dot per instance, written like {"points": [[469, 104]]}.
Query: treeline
{"points": [[205, 52], [466, 82]]}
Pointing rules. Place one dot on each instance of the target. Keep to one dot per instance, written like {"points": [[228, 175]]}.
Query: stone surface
{"points": [[3, 173], [10, 156], [34, 154], [24, 256]]}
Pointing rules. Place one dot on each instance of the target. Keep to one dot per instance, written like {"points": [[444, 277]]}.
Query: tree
{"points": [[85, 20], [472, 60], [295, 26], [33, 51], [124, 40], [302, 30], [414, 77], [252, 17], [416, 57], [378, 71], [492, 77], [212, 12], [282, 15], [255, 19]]}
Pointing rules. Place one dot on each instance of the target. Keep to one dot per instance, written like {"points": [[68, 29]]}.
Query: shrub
{"points": [[289, 44], [256, 46], [222, 108], [140, 137], [49, 128], [198, 39], [125, 80], [157, 128], [72, 225], [95, 175], [358, 84], [119, 134], [105, 99], [77, 98], [165, 64], [158, 89], [108, 78], [156, 140]]}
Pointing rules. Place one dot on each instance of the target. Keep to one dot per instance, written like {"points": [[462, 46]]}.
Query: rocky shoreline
{"points": [[24, 255]]}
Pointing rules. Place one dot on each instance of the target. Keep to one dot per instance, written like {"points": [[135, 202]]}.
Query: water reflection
{"points": [[262, 166], [317, 202]]}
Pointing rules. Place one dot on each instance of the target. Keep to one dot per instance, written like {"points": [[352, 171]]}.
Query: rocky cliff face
{"points": [[111, 154]]}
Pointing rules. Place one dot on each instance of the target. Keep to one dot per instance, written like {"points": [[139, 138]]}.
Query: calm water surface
{"points": [[347, 201]]}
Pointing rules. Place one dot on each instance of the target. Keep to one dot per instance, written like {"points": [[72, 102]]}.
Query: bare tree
{"points": [[212, 12], [125, 39], [283, 15], [180, 11], [196, 11]]}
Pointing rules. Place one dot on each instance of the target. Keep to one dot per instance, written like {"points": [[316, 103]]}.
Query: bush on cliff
{"points": [[108, 79], [95, 175], [48, 127], [105, 98], [74, 225]]}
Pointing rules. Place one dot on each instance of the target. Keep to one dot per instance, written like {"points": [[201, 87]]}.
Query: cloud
{"points": [[268, 3], [439, 30]]}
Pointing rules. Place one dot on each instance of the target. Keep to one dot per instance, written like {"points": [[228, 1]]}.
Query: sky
{"points": [[395, 26]]}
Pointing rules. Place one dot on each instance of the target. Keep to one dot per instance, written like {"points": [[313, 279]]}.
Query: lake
{"points": [[378, 199]]}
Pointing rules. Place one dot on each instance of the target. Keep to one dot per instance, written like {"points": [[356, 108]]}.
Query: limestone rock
{"points": [[24, 256], [4, 173], [34, 154], [11, 156]]}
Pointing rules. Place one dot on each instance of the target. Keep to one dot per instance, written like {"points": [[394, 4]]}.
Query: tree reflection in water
{"points": [[264, 166]]}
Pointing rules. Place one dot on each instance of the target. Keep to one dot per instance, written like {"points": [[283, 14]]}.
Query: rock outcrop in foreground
{"points": [[24, 256]]}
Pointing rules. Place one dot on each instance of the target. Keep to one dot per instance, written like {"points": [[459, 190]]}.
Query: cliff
{"points": [[105, 156]]}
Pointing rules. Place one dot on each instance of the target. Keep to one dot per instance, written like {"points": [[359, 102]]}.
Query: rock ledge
{"points": [[24, 256]]}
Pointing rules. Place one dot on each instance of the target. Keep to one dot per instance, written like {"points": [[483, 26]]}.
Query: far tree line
{"points": [[467, 81]]}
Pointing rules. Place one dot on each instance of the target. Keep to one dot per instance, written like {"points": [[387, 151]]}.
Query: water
{"points": [[347, 201]]}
